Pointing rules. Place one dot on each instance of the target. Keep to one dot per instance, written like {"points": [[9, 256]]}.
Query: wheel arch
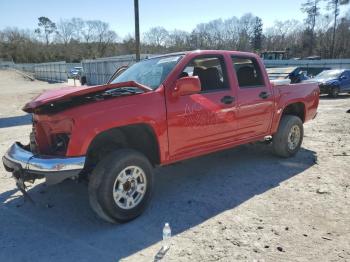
{"points": [[140, 137], [296, 109]]}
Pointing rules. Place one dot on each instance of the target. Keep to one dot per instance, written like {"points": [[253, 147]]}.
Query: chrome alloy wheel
{"points": [[294, 137], [129, 187]]}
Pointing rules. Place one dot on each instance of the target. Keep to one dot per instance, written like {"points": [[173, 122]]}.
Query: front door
{"points": [[202, 121]]}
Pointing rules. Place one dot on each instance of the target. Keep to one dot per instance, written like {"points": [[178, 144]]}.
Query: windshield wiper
{"points": [[121, 91]]}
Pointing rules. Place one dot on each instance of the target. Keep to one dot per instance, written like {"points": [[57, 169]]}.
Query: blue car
{"points": [[333, 82], [75, 72]]}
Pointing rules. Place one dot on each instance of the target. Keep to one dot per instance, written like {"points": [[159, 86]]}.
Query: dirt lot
{"points": [[242, 204]]}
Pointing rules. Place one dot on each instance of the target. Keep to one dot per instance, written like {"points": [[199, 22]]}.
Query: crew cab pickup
{"points": [[158, 111]]}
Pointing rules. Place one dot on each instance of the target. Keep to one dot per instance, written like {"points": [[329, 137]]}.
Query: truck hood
{"points": [[69, 92]]}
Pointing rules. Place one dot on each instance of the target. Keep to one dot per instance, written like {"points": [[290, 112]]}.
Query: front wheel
{"points": [[334, 92], [120, 186], [287, 141]]}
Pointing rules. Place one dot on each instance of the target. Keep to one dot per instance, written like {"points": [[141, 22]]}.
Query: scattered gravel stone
{"points": [[326, 238], [280, 249], [322, 191]]}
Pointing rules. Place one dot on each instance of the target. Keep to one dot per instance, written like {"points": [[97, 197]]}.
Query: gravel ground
{"points": [[241, 204]]}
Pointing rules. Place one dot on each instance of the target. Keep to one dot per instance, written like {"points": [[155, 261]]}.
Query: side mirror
{"points": [[343, 77], [187, 86]]}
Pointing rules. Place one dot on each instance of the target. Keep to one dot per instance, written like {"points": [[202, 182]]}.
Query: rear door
{"points": [[203, 121], [255, 101]]}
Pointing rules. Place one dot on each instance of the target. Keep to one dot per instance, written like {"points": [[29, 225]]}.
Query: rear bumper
{"points": [[21, 162]]}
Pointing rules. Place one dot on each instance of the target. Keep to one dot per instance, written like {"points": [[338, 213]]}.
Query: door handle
{"points": [[264, 95], [227, 100]]}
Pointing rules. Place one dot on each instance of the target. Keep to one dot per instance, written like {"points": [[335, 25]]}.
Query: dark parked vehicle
{"points": [[295, 74], [333, 82]]}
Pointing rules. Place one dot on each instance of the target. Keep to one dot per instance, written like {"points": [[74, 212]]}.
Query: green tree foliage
{"points": [[257, 34], [46, 27]]}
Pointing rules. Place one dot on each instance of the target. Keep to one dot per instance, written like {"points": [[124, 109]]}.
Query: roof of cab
{"points": [[206, 52]]}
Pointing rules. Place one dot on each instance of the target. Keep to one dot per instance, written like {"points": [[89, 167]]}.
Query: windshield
{"points": [[329, 74], [151, 72]]}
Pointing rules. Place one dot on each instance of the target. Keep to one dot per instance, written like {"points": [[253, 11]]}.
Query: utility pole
{"points": [[137, 30]]}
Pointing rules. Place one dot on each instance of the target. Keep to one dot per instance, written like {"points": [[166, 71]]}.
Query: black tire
{"points": [[334, 92], [102, 181], [280, 139]]}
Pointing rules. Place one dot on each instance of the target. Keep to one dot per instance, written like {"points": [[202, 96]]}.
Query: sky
{"points": [[170, 14]]}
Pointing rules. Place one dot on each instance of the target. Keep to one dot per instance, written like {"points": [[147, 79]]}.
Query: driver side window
{"points": [[210, 71]]}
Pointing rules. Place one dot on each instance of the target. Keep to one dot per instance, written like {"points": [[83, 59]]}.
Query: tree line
{"points": [[323, 33]]}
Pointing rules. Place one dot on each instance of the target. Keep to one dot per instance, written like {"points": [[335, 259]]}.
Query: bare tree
{"points": [[334, 6], [78, 28], [65, 31], [102, 35], [88, 31], [231, 33], [246, 28], [178, 40], [156, 36]]}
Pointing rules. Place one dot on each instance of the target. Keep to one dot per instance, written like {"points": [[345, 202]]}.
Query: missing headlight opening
{"points": [[60, 143]]}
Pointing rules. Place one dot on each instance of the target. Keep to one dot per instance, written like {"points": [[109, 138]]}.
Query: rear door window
{"points": [[248, 72]]}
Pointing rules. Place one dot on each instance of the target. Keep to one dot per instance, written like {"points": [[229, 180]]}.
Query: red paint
{"points": [[185, 126]]}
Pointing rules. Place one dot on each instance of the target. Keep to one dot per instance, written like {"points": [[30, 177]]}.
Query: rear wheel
{"points": [[287, 141], [120, 186]]}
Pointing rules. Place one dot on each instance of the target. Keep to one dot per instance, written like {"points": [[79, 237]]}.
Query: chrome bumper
{"points": [[54, 169]]}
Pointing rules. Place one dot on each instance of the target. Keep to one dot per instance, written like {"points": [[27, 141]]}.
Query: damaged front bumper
{"points": [[26, 166]]}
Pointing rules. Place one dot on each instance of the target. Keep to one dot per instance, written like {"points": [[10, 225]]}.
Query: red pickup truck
{"points": [[159, 111]]}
